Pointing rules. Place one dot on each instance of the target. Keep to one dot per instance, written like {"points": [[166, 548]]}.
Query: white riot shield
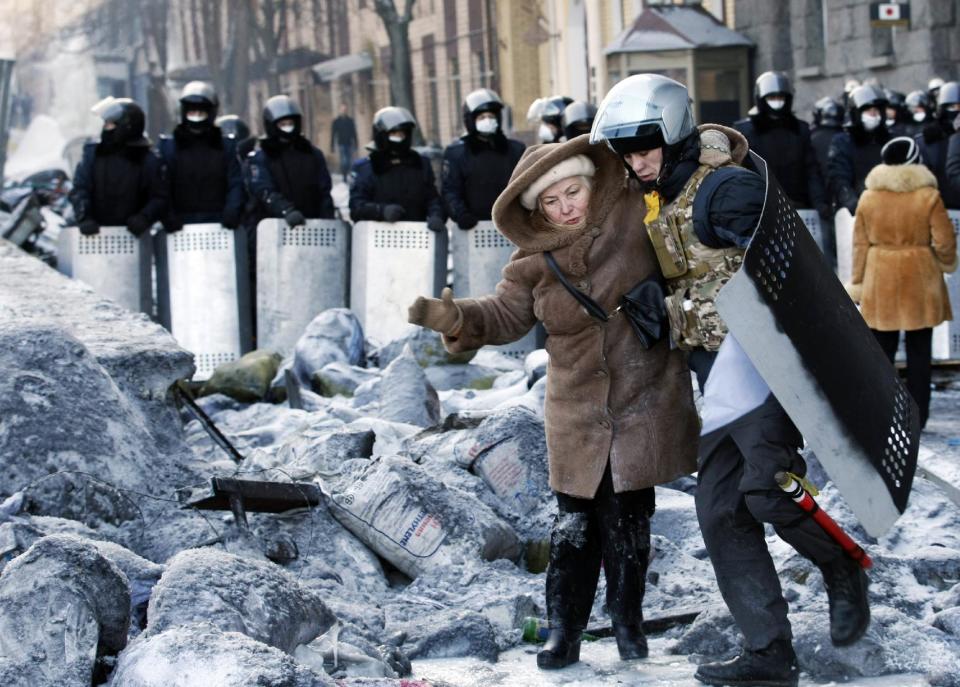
{"points": [[843, 226], [811, 220], [946, 337], [392, 264], [203, 281], [114, 263], [301, 271], [479, 255]]}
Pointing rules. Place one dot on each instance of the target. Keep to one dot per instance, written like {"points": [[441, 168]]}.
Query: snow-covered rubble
{"points": [[429, 542]]}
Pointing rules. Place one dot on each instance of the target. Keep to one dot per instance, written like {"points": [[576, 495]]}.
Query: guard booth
{"points": [[301, 271], [479, 255], [114, 263], [203, 292], [390, 265]]}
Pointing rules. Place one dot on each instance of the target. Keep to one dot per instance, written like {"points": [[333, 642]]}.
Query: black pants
{"points": [[612, 528], [736, 495], [918, 342]]}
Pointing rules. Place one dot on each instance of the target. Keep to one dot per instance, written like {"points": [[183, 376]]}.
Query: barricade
{"points": [[114, 263], [301, 271], [390, 265], [203, 285], [479, 255]]}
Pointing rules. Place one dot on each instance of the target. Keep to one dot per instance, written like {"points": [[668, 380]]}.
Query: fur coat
{"points": [[903, 242], [607, 398]]}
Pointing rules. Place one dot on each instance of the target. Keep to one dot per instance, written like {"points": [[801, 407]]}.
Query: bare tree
{"points": [[270, 25], [401, 69]]}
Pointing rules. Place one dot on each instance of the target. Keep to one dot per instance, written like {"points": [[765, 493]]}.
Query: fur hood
{"points": [[900, 178]]}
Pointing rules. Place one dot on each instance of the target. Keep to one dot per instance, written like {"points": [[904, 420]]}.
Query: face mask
{"points": [[890, 122], [487, 126], [545, 134], [397, 138], [919, 116], [196, 118], [287, 128], [870, 122], [776, 103]]}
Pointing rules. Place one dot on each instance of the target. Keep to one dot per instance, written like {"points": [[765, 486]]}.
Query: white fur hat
{"points": [[577, 165]]}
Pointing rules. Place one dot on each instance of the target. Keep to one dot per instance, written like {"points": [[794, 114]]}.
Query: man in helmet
{"points": [[395, 183], [477, 166], [781, 139], [934, 142], [288, 175], [702, 209], [118, 181], [856, 150], [235, 129], [578, 119], [343, 140], [202, 168], [920, 110], [933, 88], [897, 116], [547, 114], [827, 123]]}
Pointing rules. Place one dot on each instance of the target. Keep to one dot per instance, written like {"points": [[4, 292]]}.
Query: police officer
{"points": [[235, 129], [202, 167], [920, 110], [395, 183], [578, 119], [856, 150], [701, 212], [781, 139], [547, 114], [287, 174], [477, 167], [934, 142], [118, 181], [827, 123], [897, 117]]}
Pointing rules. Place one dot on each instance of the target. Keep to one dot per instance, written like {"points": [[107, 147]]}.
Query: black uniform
{"points": [[853, 153], [934, 144], [953, 163], [286, 175], [476, 169], [403, 178]]}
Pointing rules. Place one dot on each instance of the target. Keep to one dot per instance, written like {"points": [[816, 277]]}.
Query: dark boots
{"points": [[846, 584], [560, 650], [631, 642], [774, 666]]}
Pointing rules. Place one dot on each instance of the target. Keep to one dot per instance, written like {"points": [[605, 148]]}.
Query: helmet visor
{"points": [[483, 98], [393, 118]]}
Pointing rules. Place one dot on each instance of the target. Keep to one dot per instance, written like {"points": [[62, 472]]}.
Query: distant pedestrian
{"points": [[343, 140]]}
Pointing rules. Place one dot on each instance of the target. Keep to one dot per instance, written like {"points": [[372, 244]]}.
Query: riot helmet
{"points": [[393, 129], [480, 101], [865, 98], [933, 87], [549, 113], [578, 118], [123, 121], [827, 112], [233, 127], [198, 105], [275, 111], [919, 106], [948, 102], [896, 107], [773, 94]]}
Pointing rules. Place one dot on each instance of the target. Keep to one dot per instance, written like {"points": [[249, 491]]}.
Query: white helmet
{"points": [[643, 112]]}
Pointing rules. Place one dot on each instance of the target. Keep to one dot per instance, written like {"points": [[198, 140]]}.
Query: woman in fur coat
{"points": [[619, 418], [903, 243]]}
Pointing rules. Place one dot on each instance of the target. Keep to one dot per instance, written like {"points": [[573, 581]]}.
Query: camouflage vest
{"points": [[694, 272]]}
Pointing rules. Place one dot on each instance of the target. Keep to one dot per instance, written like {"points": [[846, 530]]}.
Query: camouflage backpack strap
{"points": [[665, 226]]}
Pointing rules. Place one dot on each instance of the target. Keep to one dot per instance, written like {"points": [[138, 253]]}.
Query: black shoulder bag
{"points": [[643, 305]]}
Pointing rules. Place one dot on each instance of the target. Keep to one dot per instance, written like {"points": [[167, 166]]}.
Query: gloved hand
{"points": [[441, 315], [436, 224], [393, 213], [138, 224], [172, 224], [848, 199], [230, 218], [88, 227], [294, 218], [467, 221], [825, 211]]}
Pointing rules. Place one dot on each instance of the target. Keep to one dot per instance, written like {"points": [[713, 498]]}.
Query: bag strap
{"points": [[591, 306]]}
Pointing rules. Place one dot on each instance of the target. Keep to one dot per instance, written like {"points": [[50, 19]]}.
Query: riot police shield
{"points": [[806, 338], [392, 264], [114, 263], [301, 271], [843, 226], [203, 289], [479, 255], [811, 220]]}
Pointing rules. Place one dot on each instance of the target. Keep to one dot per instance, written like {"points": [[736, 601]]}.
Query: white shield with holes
{"points": [[843, 227], [392, 264], [301, 271], [479, 255], [202, 272], [811, 221], [114, 263]]}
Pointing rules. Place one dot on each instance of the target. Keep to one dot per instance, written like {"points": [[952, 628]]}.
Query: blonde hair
{"points": [[584, 179]]}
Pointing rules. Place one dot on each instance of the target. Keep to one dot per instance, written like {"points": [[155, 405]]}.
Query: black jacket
{"points": [[203, 175], [288, 176], [853, 153], [343, 132], [112, 184], [384, 179], [934, 144], [786, 146], [820, 139], [953, 163], [475, 171]]}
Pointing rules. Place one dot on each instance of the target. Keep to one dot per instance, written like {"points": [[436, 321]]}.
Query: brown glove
{"points": [[441, 315]]}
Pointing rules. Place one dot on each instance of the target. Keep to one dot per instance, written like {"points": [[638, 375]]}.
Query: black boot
{"points": [[631, 642], [774, 666], [560, 650], [846, 584]]}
